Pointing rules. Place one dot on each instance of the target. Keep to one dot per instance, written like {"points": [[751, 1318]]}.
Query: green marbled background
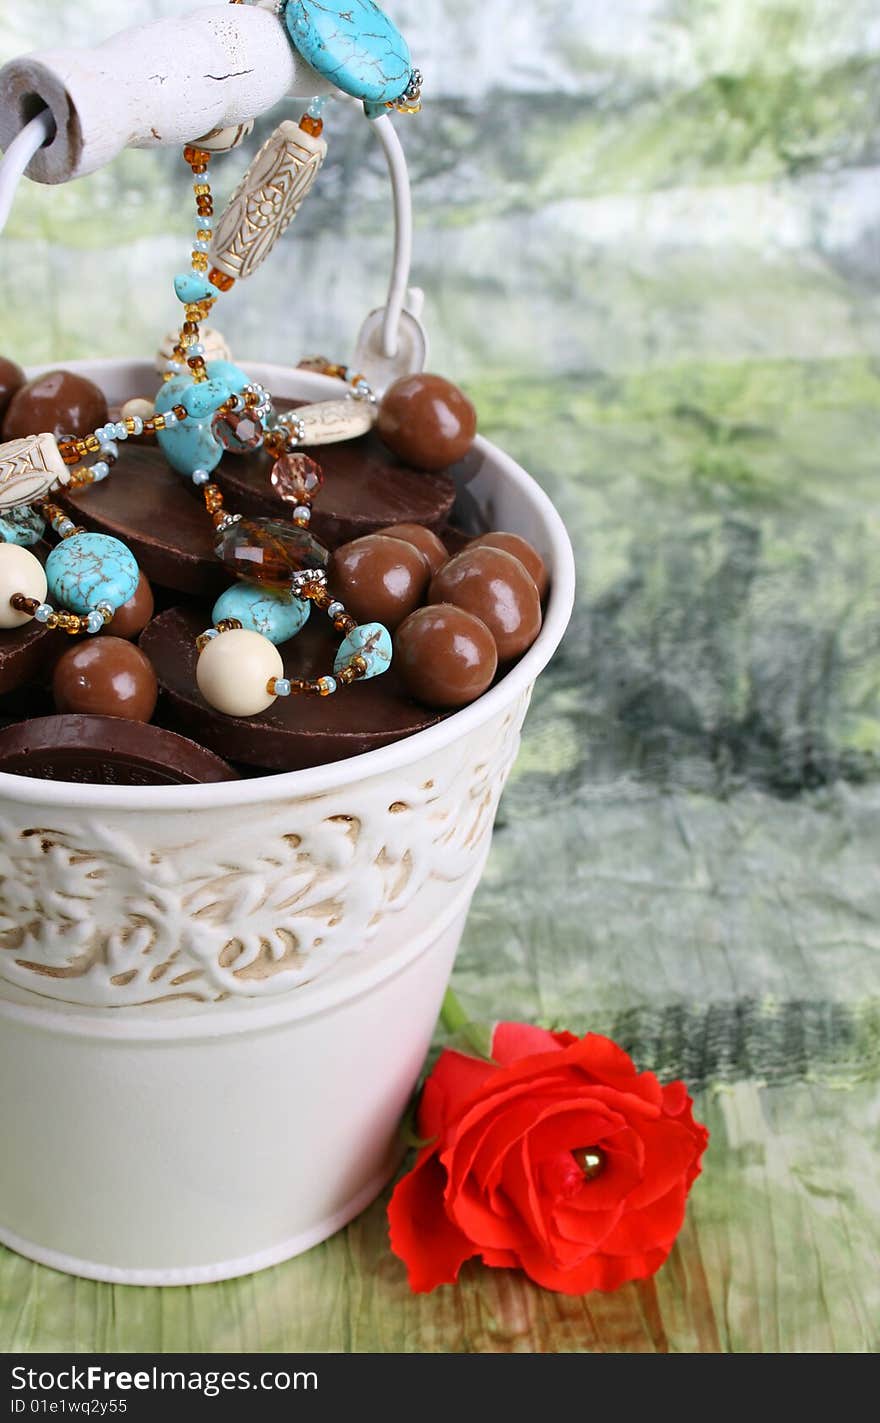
{"points": [[649, 233]]}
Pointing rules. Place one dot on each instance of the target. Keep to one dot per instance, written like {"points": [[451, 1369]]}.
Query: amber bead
{"points": [[57, 403], [296, 479], [238, 431], [12, 378], [380, 580], [105, 677], [421, 538], [520, 548], [268, 552], [446, 656], [495, 587], [221, 280], [427, 421], [130, 620]]}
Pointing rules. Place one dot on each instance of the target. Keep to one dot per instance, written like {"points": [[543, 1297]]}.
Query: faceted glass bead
{"points": [[296, 479], [269, 552], [238, 431]]}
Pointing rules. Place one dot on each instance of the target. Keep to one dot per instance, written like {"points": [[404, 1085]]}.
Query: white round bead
{"points": [[233, 672], [20, 572], [138, 409]]}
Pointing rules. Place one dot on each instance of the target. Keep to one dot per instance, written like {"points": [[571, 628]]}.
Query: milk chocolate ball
{"points": [[132, 617], [425, 540], [59, 403], [105, 677], [520, 548], [445, 655], [427, 421], [11, 380], [379, 580], [494, 586]]}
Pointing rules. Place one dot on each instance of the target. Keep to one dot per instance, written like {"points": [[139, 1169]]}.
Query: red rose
{"points": [[558, 1158]]}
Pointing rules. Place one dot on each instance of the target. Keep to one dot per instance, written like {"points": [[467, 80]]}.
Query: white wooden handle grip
{"points": [[160, 84]]}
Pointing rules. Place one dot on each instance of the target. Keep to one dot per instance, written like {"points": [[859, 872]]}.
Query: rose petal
{"points": [[670, 1149], [621, 1172], [496, 1099], [512, 1041], [549, 1127], [455, 1079], [422, 1235], [597, 1272], [657, 1225]]}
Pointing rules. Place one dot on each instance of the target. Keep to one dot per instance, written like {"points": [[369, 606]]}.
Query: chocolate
{"points": [[427, 421], [58, 403], [296, 731], [380, 580], [132, 617], [25, 653], [446, 656], [425, 540], [520, 548], [12, 378], [164, 523], [364, 488], [163, 520], [105, 676], [495, 587], [106, 751]]}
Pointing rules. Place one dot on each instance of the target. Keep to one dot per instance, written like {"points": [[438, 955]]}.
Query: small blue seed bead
{"points": [[200, 476], [282, 687], [328, 685], [44, 612], [210, 634], [335, 610], [100, 471], [94, 623]]}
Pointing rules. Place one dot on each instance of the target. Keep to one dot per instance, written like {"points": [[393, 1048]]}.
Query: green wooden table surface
{"points": [[648, 235]]}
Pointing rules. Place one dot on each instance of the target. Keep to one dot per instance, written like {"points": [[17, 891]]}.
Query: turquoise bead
{"points": [[276, 616], [372, 642], [191, 444], [205, 398], [353, 44], [22, 526], [88, 569], [190, 287]]}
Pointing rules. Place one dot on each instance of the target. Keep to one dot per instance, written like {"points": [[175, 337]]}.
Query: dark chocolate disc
{"points": [[162, 518], [156, 515], [296, 731], [25, 654], [365, 488], [106, 751]]}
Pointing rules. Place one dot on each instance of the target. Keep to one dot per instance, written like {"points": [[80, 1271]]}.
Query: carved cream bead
{"points": [[267, 200], [20, 572], [233, 672], [29, 468], [223, 140], [328, 422]]}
